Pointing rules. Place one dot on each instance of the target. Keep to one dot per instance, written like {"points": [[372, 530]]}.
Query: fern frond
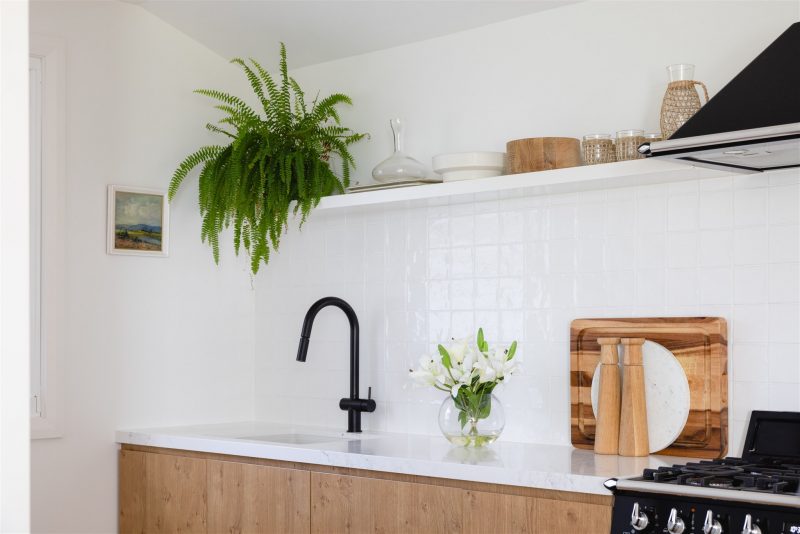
{"points": [[300, 98], [276, 165], [192, 160], [230, 100], [255, 81]]}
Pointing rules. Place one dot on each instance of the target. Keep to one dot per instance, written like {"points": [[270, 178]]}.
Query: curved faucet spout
{"points": [[353, 404]]}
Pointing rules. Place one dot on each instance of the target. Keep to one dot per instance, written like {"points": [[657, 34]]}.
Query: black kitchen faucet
{"points": [[352, 404]]}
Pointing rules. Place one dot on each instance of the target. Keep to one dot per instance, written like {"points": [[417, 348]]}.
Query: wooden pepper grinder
{"points": [[606, 437], [633, 437]]}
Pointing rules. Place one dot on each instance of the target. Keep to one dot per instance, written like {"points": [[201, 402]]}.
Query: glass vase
{"points": [[472, 424], [400, 167]]}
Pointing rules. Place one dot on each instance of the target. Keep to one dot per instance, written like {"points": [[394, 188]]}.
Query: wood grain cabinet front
{"points": [[350, 504], [165, 491], [256, 498], [161, 493]]}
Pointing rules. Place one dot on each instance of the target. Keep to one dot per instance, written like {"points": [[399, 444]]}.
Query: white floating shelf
{"points": [[559, 181]]}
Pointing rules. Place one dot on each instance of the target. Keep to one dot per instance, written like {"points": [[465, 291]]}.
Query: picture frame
{"points": [[138, 223]]}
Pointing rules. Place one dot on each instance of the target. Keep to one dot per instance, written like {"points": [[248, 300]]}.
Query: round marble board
{"points": [[666, 395]]}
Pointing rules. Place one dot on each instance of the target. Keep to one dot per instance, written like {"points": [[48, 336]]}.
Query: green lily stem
{"points": [[473, 427]]}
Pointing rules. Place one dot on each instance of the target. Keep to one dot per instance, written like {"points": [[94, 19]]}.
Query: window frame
{"points": [[51, 254]]}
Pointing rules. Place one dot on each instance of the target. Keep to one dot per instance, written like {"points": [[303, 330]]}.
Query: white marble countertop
{"points": [[555, 467]]}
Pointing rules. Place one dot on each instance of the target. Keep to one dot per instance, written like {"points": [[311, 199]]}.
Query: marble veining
{"points": [[555, 467]]}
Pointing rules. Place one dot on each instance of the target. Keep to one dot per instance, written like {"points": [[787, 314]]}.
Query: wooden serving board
{"points": [[701, 346]]}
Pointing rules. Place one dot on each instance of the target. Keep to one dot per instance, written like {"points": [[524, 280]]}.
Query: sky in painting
{"points": [[138, 208]]}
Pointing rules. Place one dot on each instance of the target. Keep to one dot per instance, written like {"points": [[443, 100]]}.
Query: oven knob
{"points": [[711, 525], [675, 524], [749, 527], [639, 520]]}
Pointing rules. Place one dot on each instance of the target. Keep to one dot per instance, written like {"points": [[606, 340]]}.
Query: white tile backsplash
{"points": [[716, 208], [750, 206], [683, 212], [682, 249], [523, 268], [784, 244], [715, 285], [715, 248], [784, 204], [784, 282], [750, 245], [750, 284]]}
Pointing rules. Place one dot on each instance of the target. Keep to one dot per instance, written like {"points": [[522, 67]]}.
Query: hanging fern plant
{"points": [[275, 158]]}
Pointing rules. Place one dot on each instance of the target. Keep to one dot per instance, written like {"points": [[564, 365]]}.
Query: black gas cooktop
{"points": [[731, 473], [757, 493]]}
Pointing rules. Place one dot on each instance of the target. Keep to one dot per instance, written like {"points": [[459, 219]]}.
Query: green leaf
{"points": [[483, 346], [484, 407], [445, 357], [511, 351], [461, 400], [462, 418]]}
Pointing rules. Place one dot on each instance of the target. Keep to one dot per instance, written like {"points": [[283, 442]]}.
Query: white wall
{"points": [[150, 341], [14, 269], [524, 267]]}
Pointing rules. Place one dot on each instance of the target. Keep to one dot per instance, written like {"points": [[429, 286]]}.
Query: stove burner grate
{"points": [[731, 473]]}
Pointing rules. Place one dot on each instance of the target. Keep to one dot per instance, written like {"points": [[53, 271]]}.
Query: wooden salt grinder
{"points": [[606, 437], [633, 437]]}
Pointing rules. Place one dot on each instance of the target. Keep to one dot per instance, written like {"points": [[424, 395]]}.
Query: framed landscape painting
{"points": [[138, 221]]}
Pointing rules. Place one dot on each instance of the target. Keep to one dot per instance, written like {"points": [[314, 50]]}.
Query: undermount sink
{"points": [[300, 439]]}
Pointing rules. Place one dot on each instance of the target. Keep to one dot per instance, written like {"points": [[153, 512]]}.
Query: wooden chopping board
{"points": [[701, 346]]}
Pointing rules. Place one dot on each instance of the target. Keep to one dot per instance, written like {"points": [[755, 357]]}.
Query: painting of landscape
{"points": [[138, 221]]}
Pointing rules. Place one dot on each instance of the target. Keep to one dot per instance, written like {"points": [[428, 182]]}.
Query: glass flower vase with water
{"points": [[471, 415]]}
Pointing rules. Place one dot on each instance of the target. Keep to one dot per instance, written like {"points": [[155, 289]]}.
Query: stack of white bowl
{"points": [[469, 165]]}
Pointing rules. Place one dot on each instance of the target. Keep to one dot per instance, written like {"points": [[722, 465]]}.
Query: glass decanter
{"points": [[400, 167]]}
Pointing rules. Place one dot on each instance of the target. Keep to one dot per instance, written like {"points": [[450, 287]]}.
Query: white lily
{"points": [[457, 351], [501, 364], [486, 371], [465, 361], [429, 373]]}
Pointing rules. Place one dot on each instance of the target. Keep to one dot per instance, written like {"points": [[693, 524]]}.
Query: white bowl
{"points": [[469, 165]]}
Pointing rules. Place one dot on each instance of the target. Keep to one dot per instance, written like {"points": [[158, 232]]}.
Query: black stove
{"points": [[758, 493]]}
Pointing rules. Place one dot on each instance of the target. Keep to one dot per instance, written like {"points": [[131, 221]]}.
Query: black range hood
{"points": [[753, 123]]}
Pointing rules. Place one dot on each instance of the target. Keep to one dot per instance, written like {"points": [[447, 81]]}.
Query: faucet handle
{"points": [[359, 405]]}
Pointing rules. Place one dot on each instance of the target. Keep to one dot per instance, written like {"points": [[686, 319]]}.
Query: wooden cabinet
{"points": [[557, 516], [255, 498], [163, 490], [170, 493], [499, 513], [351, 504], [161, 493]]}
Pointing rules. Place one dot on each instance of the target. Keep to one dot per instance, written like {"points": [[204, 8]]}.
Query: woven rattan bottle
{"points": [[681, 100]]}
